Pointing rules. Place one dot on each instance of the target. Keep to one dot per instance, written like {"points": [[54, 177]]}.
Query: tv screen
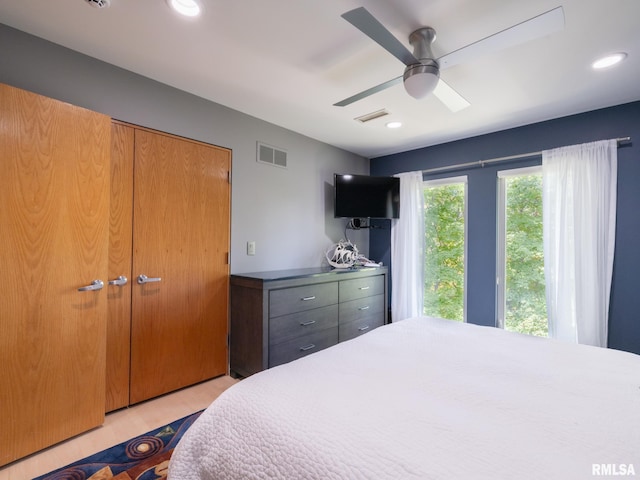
{"points": [[362, 196]]}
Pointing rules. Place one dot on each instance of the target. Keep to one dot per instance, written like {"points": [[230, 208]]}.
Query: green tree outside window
{"points": [[444, 250], [526, 306]]}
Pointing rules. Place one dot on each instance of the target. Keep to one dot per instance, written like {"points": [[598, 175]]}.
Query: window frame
{"points": [[460, 179]]}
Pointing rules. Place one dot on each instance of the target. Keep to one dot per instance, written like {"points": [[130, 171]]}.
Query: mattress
{"points": [[425, 398]]}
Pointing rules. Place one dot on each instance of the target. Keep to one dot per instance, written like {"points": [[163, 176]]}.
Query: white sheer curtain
{"points": [[407, 249], [579, 218]]}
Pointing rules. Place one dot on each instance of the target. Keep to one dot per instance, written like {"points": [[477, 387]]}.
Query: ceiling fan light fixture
{"points": [[420, 79]]}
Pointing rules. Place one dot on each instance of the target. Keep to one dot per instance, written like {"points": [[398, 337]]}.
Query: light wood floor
{"points": [[118, 427]]}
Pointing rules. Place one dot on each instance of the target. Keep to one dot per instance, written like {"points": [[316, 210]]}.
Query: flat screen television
{"points": [[363, 196]]}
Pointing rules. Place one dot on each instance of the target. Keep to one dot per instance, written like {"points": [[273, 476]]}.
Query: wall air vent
{"points": [[99, 3], [372, 116], [271, 155]]}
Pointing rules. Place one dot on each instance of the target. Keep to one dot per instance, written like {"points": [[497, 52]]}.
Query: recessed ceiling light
{"points": [[394, 124], [188, 8], [609, 60]]}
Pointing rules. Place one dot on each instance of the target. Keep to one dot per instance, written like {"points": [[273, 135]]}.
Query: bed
{"points": [[425, 398]]}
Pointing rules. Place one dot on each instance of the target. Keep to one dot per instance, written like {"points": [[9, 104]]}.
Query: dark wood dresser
{"points": [[279, 316]]}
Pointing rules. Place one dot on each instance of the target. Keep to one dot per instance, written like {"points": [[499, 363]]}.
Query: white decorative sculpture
{"points": [[344, 254]]}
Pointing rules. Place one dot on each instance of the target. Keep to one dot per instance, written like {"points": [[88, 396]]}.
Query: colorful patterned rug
{"points": [[145, 457]]}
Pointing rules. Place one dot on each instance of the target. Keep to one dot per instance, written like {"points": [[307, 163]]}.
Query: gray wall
{"points": [[287, 212]]}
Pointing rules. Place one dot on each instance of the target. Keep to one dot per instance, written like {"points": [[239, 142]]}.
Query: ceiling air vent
{"points": [[99, 3], [271, 155], [372, 116]]}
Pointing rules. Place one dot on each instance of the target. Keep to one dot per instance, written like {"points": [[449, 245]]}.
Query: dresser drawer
{"points": [[368, 307], [358, 327], [360, 316], [302, 346], [288, 327], [361, 287], [298, 299]]}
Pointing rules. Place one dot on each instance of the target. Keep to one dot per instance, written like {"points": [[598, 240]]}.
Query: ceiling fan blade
{"points": [[370, 91], [447, 95], [367, 24], [536, 27]]}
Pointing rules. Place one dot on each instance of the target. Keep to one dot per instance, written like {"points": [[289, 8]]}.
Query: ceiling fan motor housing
{"points": [[421, 41], [421, 78]]}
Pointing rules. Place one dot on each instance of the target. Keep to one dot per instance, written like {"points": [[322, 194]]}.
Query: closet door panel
{"points": [[181, 237], [54, 218], [119, 295]]}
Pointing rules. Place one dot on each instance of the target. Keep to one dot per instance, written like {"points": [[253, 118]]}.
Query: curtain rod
{"points": [[482, 163]]}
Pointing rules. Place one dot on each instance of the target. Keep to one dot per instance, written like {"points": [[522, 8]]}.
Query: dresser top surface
{"points": [[275, 275]]}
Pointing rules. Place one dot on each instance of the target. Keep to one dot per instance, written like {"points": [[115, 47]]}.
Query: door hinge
{"points": [[229, 176]]}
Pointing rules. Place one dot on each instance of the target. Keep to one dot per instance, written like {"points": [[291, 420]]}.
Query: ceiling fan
{"points": [[422, 73]]}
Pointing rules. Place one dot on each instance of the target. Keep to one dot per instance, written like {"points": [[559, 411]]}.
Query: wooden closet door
{"points": [[54, 218], [119, 293], [181, 221]]}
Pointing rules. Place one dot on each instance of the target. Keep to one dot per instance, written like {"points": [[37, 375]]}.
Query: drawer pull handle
{"points": [[364, 288], [366, 307], [310, 322], [363, 329], [306, 299], [308, 347]]}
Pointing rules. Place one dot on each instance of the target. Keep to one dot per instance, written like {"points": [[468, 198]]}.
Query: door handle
{"points": [[120, 281], [144, 279], [95, 285]]}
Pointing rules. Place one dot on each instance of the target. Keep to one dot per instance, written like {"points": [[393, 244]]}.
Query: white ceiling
{"points": [[288, 61]]}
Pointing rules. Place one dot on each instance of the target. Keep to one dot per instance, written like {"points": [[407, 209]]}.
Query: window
{"points": [[520, 283], [445, 212]]}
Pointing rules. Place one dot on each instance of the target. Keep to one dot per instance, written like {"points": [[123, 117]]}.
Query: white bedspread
{"points": [[425, 398]]}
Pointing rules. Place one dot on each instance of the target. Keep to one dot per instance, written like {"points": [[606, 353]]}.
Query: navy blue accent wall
{"points": [[613, 122]]}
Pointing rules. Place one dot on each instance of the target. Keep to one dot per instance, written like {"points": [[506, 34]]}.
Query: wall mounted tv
{"points": [[362, 196]]}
